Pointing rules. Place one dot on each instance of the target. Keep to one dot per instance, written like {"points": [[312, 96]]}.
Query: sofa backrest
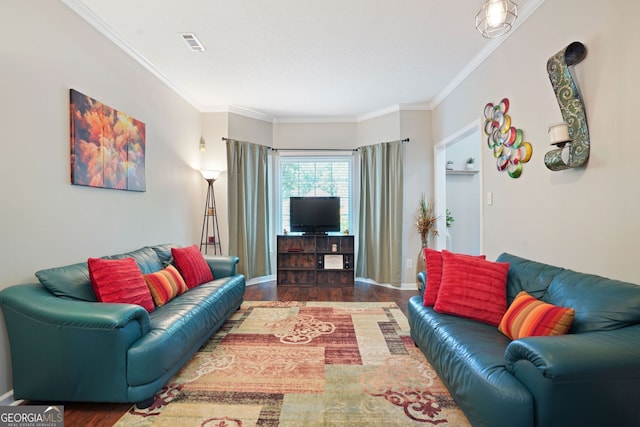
{"points": [[72, 281], [526, 275], [600, 303], [164, 252]]}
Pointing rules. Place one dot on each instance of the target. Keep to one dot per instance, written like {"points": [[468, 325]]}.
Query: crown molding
{"points": [[393, 109], [241, 111], [95, 21], [378, 113], [327, 119], [356, 119]]}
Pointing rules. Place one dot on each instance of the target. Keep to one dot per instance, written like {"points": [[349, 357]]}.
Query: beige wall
{"points": [[46, 49], [418, 179], [380, 129], [584, 219], [314, 135], [215, 126]]}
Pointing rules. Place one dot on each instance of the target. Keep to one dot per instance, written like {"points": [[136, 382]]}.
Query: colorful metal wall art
{"points": [[506, 141]]}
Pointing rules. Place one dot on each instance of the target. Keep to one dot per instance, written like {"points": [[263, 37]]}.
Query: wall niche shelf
{"points": [[311, 260], [462, 172]]}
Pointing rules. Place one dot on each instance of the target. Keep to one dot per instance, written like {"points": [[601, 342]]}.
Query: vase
{"points": [[420, 262]]}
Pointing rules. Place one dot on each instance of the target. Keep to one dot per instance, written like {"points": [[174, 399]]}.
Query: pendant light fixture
{"points": [[496, 17]]}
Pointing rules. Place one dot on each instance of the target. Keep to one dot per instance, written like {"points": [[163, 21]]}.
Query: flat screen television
{"points": [[314, 215]]}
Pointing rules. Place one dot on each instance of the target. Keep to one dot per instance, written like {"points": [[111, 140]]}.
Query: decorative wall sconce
{"points": [[203, 144], [571, 137], [559, 134]]}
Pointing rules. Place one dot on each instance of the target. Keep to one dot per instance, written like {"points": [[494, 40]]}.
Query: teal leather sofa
{"points": [[590, 377], [66, 346]]}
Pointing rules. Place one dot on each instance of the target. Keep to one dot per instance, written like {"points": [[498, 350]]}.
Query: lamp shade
{"points": [[496, 17], [210, 174]]}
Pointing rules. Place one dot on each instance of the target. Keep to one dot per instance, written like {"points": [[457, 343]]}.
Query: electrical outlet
{"points": [[409, 263]]}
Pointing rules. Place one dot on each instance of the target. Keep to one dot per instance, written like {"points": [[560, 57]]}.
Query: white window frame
{"points": [[316, 156]]}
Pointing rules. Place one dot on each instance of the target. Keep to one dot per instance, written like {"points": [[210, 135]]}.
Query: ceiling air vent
{"points": [[193, 42]]}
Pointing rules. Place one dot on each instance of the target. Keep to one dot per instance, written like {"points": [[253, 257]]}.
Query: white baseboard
{"points": [[402, 287], [7, 399], [261, 279]]}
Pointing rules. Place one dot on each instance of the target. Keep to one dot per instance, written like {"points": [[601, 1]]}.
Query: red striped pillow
{"points": [[192, 265], [119, 280], [530, 317], [472, 288], [433, 261], [165, 285]]}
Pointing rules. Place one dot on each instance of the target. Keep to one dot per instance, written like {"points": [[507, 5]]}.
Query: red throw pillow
{"points": [[119, 280], [433, 261], [530, 317], [473, 288], [192, 265]]}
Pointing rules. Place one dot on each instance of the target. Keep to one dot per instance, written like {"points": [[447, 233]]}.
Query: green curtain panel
{"points": [[380, 215], [248, 187]]}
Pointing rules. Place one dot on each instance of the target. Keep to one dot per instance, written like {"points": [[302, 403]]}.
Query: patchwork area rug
{"points": [[305, 364]]}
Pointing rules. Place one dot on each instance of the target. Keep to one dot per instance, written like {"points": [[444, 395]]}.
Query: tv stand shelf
{"points": [[301, 260]]}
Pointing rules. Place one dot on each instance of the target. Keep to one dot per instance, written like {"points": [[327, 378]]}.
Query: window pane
{"points": [[315, 176]]}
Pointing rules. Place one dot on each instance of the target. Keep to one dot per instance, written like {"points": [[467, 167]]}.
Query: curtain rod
{"points": [[313, 149], [324, 149], [316, 149]]}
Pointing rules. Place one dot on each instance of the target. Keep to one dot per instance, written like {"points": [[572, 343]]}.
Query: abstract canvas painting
{"points": [[107, 146]]}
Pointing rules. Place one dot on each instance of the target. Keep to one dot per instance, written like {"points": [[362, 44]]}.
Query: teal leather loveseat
{"points": [[589, 377], [66, 346]]}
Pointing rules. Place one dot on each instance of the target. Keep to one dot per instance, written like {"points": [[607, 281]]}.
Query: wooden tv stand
{"points": [[310, 261]]}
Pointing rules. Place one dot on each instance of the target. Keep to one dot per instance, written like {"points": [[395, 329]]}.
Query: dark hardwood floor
{"points": [[107, 414], [360, 292]]}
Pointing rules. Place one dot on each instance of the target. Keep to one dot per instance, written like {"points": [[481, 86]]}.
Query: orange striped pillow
{"points": [[529, 317], [165, 285]]}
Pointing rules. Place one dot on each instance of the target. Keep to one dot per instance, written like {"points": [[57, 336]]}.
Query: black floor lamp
{"points": [[210, 236]]}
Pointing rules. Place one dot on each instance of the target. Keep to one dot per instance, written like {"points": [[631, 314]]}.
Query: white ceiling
{"points": [[288, 60]]}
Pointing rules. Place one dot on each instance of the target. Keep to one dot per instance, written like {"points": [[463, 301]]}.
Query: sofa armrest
{"points": [[39, 305], [600, 355], [79, 348], [222, 265], [422, 280], [566, 374]]}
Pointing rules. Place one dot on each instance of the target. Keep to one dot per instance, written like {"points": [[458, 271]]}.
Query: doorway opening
{"points": [[458, 190]]}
